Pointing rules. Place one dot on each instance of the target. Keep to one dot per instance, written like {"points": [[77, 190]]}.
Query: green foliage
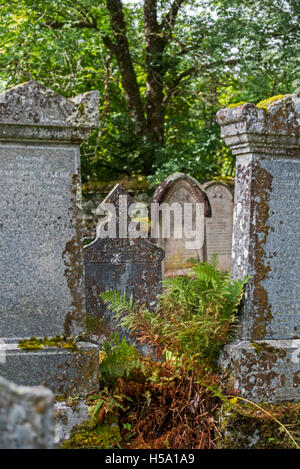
{"points": [[194, 317], [235, 50], [104, 404], [120, 359], [101, 436]]}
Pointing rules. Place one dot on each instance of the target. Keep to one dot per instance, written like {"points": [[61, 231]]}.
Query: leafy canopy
{"points": [[207, 55]]}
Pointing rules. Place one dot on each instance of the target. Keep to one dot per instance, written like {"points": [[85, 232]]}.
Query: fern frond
{"points": [[117, 303], [213, 260], [207, 274]]}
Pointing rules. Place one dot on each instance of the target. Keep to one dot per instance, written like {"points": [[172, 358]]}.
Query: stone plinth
{"points": [[41, 263], [266, 245]]}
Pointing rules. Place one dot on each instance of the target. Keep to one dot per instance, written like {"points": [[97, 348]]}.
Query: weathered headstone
{"points": [[180, 189], [266, 246], [41, 264], [219, 226], [26, 417], [121, 263]]}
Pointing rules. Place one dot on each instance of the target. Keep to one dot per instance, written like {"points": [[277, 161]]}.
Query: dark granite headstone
{"points": [[125, 264]]}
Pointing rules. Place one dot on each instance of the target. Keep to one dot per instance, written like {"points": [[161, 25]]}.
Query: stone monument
{"points": [[180, 189], [125, 263], [218, 228], [266, 246], [41, 263]]}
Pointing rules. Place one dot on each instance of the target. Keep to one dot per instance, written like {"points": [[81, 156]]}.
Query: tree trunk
{"points": [[151, 119], [120, 48], [155, 45]]}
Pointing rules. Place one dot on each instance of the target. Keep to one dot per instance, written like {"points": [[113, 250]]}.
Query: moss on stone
{"points": [[236, 104], [102, 436], [37, 344], [266, 102], [246, 427], [264, 347]]}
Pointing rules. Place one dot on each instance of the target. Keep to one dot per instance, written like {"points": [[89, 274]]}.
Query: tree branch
{"points": [[198, 69], [172, 88], [169, 19], [77, 24], [150, 17]]}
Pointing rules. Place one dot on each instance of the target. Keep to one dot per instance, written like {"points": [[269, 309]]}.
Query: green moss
{"points": [[87, 241], [263, 347], [225, 180], [236, 104], [37, 344], [245, 426], [103, 436], [266, 102]]}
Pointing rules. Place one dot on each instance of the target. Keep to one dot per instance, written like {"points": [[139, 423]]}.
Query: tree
{"points": [[177, 62]]}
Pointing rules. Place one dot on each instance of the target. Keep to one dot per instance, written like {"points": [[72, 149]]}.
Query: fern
{"points": [[119, 360], [117, 302], [194, 318]]}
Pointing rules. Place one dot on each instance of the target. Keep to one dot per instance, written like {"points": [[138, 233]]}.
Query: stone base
{"points": [[264, 370], [243, 426], [65, 372]]}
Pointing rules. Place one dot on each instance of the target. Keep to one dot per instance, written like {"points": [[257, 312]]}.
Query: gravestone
{"points": [[26, 417], [180, 189], [130, 265], [41, 263], [219, 227], [265, 358]]}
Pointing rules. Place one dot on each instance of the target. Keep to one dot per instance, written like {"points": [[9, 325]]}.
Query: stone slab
{"points": [[266, 245], [41, 262], [219, 227], [269, 249], [179, 188], [131, 266], [40, 247]]}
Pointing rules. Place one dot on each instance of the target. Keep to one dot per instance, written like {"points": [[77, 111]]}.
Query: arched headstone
{"points": [[219, 226], [181, 189]]}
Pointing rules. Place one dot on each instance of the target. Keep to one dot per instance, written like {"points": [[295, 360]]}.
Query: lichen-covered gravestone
{"points": [[218, 228], [266, 246], [26, 417], [177, 190], [41, 264], [122, 261]]}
